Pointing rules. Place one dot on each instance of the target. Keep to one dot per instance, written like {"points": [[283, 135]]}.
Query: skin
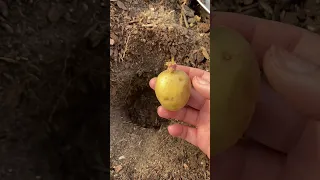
{"points": [[196, 113], [283, 140]]}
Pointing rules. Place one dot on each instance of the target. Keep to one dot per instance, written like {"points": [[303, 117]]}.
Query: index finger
{"points": [[263, 33], [192, 72]]}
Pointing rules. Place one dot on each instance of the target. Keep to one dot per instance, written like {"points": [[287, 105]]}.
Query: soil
{"points": [[144, 35], [54, 89], [54, 85]]}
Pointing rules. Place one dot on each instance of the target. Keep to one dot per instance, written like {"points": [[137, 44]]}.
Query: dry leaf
{"points": [[121, 5]]}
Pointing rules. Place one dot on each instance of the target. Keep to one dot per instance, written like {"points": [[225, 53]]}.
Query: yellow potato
{"points": [[173, 88], [236, 78]]}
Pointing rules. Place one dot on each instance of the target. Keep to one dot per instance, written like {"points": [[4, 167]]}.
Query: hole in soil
{"points": [[141, 104]]}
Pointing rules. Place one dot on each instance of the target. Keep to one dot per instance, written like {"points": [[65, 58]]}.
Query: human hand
{"points": [[196, 113], [283, 140]]}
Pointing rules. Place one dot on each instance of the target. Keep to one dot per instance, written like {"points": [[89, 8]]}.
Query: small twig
{"points": [[125, 47], [148, 25], [183, 14], [185, 19]]}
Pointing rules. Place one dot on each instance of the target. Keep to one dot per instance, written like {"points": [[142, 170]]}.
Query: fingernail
{"points": [[201, 81], [288, 62]]}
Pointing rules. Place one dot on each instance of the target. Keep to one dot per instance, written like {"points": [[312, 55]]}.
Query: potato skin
{"points": [[236, 80], [173, 89]]}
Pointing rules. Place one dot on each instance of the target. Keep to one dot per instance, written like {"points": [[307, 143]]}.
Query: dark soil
{"points": [[53, 88]]}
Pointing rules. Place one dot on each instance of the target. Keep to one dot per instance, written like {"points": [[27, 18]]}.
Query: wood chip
{"points": [[205, 53], [121, 5]]}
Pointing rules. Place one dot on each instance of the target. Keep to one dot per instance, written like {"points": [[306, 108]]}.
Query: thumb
{"points": [[202, 86], [295, 78]]}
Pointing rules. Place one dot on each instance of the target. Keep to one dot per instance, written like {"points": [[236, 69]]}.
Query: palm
{"points": [[197, 113]]}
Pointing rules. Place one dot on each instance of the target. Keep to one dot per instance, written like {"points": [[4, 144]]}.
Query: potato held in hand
{"points": [[236, 79], [173, 88]]}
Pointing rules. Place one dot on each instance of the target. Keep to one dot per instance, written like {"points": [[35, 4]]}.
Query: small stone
{"points": [[111, 42], [117, 168], [185, 166], [188, 11], [191, 20], [122, 157], [121, 5], [114, 37]]}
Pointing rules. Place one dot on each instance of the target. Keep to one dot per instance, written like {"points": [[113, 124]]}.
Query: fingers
{"points": [[184, 132], [257, 31], [294, 78], [275, 123], [192, 72], [152, 83], [187, 115], [202, 86], [196, 100]]}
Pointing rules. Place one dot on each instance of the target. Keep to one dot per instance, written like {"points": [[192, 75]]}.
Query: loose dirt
{"points": [[144, 35], [52, 88]]}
